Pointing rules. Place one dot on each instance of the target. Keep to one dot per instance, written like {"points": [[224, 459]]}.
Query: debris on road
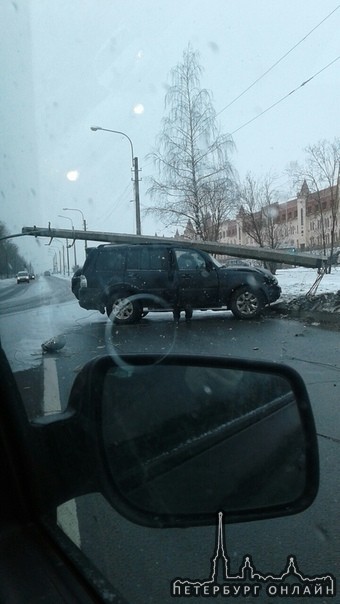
{"points": [[54, 344], [318, 309], [326, 302]]}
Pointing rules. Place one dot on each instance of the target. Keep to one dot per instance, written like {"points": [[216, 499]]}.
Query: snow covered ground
{"points": [[298, 281]]}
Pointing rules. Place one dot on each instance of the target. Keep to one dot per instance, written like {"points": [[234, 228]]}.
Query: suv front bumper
{"points": [[273, 292]]}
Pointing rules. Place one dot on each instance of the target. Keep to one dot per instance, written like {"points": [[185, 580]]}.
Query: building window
{"points": [[301, 216]]}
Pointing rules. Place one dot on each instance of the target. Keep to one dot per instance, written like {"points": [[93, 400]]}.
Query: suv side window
{"points": [[110, 260], [189, 260], [154, 258], [133, 261]]}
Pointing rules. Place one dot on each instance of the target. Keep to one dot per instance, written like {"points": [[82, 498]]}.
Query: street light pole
{"points": [[84, 221], [63, 253], [74, 241], [55, 258], [135, 172]]}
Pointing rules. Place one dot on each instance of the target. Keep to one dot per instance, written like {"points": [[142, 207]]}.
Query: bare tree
{"points": [[258, 206], [320, 172], [10, 260], [258, 210], [195, 179]]}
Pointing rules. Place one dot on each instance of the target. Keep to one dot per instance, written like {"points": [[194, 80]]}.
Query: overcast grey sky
{"points": [[106, 63]]}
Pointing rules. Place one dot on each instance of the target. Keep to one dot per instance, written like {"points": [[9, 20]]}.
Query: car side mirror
{"points": [[177, 439], [209, 266]]}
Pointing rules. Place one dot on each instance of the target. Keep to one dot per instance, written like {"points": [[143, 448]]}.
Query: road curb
{"points": [[317, 316]]}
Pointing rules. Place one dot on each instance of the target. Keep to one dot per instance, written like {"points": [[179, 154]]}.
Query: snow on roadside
{"points": [[296, 282]]}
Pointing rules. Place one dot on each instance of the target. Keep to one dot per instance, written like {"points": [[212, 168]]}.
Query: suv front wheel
{"points": [[247, 303], [122, 309]]}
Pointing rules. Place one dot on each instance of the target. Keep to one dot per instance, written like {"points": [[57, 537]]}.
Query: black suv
{"points": [[129, 280]]}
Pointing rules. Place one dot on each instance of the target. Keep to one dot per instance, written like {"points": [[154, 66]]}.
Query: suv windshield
{"points": [[160, 156]]}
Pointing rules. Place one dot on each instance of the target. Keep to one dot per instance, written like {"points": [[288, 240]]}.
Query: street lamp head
{"points": [[134, 167], [66, 218]]}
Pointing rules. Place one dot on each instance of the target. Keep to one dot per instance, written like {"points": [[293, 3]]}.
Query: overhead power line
{"points": [[285, 97], [277, 62], [117, 204]]}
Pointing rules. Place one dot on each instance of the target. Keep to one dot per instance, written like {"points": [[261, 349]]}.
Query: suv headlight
{"points": [[271, 279]]}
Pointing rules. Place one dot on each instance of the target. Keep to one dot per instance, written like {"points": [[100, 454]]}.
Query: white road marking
{"points": [[67, 516], [51, 386]]}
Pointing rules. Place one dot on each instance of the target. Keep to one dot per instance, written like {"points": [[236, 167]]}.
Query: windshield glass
{"points": [[186, 124]]}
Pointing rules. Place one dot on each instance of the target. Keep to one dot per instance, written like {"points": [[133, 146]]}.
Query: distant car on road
{"points": [[47, 274], [32, 276], [23, 277]]}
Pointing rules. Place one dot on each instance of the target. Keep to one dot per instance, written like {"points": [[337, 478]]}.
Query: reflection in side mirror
{"points": [[187, 437]]}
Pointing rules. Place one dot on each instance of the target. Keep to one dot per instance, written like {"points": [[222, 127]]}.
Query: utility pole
{"points": [[137, 201], [63, 260], [68, 258]]}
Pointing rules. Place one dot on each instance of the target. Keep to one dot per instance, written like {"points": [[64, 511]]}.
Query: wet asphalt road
{"points": [[141, 562], [153, 557]]}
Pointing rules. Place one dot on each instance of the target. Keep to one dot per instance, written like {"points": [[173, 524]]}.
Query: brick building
{"points": [[301, 223]]}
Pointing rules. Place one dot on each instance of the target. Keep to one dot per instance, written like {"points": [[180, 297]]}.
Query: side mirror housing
{"points": [[175, 440]]}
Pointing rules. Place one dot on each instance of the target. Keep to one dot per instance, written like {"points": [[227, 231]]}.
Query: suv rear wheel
{"points": [[122, 309], [247, 303]]}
